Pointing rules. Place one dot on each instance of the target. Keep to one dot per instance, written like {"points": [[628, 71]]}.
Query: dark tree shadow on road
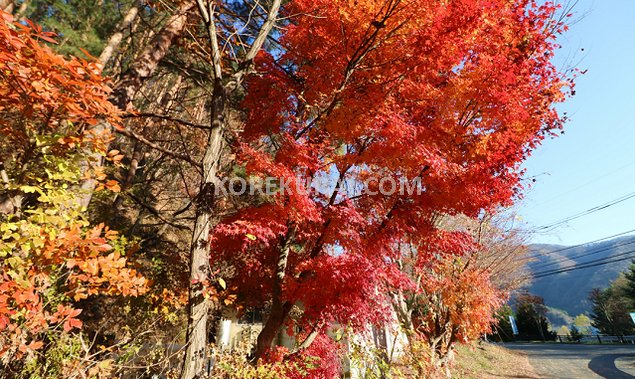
{"points": [[604, 365]]}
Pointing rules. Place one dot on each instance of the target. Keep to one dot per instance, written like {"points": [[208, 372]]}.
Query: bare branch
{"points": [[129, 133], [167, 118]]}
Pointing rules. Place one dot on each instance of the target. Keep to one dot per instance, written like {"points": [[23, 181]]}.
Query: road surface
{"points": [[576, 361]]}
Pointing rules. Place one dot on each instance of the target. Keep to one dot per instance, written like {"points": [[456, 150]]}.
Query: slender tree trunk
{"points": [[279, 308], [115, 40], [19, 14], [196, 351], [145, 65], [137, 155], [7, 6], [195, 355], [10, 203], [132, 80]]}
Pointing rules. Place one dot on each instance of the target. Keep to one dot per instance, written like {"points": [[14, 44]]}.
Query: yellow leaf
{"points": [[38, 242], [28, 189]]}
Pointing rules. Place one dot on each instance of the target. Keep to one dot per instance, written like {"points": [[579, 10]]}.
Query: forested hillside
{"points": [[569, 290]]}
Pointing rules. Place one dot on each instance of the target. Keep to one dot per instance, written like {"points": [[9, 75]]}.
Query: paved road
{"points": [[576, 361]]}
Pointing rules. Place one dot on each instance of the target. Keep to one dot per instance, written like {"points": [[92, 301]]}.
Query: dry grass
{"points": [[484, 360]]}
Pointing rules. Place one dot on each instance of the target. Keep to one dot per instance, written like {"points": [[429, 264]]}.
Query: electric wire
{"points": [[551, 226], [594, 263]]}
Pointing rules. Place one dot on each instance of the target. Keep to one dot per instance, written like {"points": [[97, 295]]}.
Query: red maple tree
{"points": [[453, 94]]}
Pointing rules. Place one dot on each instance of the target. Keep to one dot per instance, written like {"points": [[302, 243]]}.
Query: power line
{"points": [[586, 254], [594, 263], [553, 225], [589, 262], [585, 184], [583, 267], [536, 255]]}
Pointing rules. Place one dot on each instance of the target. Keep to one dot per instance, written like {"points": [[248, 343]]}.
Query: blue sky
{"points": [[594, 161]]}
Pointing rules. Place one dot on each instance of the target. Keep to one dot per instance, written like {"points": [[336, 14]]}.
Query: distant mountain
{"points": [[568, 291]]}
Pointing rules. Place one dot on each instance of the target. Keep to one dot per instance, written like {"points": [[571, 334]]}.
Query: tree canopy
{"points": [[327, 163]]}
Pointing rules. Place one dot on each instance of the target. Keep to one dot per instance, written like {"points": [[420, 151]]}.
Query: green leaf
{"points": [[250, 236], [222, 283]]}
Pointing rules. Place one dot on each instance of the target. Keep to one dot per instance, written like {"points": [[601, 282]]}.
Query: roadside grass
{"points": [[485, 360]]}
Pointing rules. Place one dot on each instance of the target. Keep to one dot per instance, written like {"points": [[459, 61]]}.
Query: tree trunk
{"points": [[137, 155], [279, 308], [11, 202], [195, 355], [196, 351], [7, 6], [165, 101], [132, 80], [115, 39], [141, 69]]}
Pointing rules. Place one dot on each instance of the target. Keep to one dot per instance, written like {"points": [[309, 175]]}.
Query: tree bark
{"points": [[115, 40], [145, 65], [137, 155], [10, 203], [7, 6], [132, 80], [196, 351], [279, 307]]}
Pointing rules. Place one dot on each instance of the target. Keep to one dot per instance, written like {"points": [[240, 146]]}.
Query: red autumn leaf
{"points": [[71, 323]]}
